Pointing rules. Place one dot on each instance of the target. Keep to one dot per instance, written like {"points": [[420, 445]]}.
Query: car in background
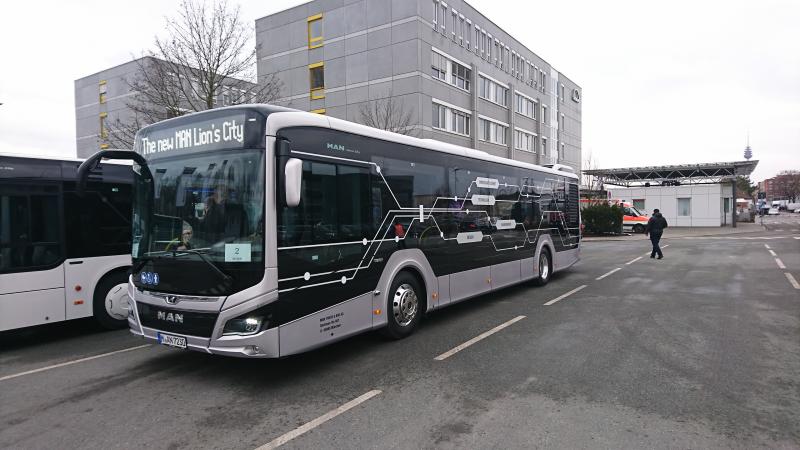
{"points": [[774, 211]]}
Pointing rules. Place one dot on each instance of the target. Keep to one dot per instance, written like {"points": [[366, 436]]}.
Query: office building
{"points": [[459, 77], [102, 102]]}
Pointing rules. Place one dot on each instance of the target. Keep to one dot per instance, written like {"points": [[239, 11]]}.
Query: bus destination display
{"points": [[214, 134]]}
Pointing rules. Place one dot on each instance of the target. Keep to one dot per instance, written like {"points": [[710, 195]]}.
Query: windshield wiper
{"points": [[205, 259]]}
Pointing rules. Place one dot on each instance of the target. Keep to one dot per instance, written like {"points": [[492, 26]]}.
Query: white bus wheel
{"points": [[111, 301]]}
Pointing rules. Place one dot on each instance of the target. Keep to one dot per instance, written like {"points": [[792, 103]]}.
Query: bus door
{"points": [[31, 255]]}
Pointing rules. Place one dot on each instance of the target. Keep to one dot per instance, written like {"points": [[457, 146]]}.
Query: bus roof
{"points": [[280, 117]]}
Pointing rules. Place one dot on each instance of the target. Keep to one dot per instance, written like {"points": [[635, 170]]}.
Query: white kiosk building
{"points": [[691, 195]]}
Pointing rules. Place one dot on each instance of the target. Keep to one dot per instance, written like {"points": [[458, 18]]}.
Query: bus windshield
{"points": [[205, 207]]}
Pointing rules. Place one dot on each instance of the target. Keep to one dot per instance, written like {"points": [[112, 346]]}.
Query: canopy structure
{"points": [[709, 173]]}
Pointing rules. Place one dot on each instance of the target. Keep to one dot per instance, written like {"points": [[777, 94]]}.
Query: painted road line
{"points": [[772, 252], [562, 297], [797, 237], [780, 263], [484, 335], [794, 282], [608, 273], [69, 363], [767, 246], [633, 261], [305, 428], [665, 246]]}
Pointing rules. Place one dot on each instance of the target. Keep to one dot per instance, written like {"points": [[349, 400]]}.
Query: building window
{"points": [[318, 111], [434, 16], [103, 130], [492, 91], [684, 207], [449, 71], [544, 114], [452, 120], [544, 146], [491, 131], [638, 203], [562, 152], [525, 105], [103, 89], [524, 140], [461, 26], [468, 33], [455, 24], [315, 31], [562, 93], [561, 122], [316, 73], [443, 18]]}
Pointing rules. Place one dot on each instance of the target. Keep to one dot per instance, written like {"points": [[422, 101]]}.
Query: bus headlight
{"points": [[243, 326]]}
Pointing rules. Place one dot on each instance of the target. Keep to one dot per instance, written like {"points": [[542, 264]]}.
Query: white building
{"points": [[699, 205], [696, 195]]}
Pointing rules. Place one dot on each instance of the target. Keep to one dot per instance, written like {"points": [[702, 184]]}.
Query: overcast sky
{"points": [[674, 82]]}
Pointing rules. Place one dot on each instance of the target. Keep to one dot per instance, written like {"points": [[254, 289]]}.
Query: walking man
{"points": [[655, 228]]}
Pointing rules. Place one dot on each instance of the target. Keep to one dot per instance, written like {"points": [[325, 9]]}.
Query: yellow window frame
{"points": [[103, 131], [102, 88], [314, 41], [318, 111], [316, 93]]}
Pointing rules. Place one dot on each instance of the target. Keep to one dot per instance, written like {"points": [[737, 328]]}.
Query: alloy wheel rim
{"points": [[405, 304], [116, 302], [544, 267]]}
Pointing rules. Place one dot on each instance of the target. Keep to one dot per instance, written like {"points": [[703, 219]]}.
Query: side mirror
{"points": [[294, 181]]}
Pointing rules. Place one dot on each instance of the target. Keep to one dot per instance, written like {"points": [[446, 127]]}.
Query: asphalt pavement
{"points": [[698, 350]]}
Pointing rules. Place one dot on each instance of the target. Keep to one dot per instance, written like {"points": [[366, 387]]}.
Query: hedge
{"points": [[602, 218]]}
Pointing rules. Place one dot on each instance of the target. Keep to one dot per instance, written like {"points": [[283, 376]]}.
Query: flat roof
{"points": [[702, 173]]}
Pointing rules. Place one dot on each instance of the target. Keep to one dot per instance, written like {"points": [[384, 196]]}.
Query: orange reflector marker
{"points": [[377, 312], [77, 302], [435, 295], [78, 288]]}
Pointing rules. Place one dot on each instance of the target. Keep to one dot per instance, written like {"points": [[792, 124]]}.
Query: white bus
{"points": [[264, 232], [63, 256]]}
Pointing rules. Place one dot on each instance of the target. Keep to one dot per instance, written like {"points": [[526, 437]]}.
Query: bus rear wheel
{"points": [[110, 304], [403, 306], [545, 267]]}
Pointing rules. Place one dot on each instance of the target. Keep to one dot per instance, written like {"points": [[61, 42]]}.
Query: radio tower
{"points": [[748, 152]]}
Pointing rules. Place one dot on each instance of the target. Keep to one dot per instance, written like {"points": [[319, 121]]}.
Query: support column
{"points": [[733, 204]]}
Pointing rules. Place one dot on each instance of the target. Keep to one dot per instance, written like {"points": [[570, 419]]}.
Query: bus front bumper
{"points": [[263, 344]]}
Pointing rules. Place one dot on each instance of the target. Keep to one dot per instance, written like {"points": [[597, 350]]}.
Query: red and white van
{"points": [[632, 218]]}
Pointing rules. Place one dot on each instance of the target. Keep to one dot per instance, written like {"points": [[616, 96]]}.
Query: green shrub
{"points": [[602, 218]]}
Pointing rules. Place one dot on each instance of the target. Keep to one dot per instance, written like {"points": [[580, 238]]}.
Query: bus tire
{"points": [[110, 305], [404, 305], [545, 267], [638, 228]]}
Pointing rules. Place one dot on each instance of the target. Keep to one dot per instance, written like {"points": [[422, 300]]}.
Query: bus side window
{"points": [[30, 235]]}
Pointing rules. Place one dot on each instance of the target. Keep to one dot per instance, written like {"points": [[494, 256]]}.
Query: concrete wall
{"points": [[706, 202]]}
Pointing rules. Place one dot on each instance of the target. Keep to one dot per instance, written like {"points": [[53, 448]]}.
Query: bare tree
{"points": [[206, 56], [388, 114], [787, 184], [592, 184]]}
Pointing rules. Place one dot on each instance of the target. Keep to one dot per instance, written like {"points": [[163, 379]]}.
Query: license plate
{"points": [[172, 341]]}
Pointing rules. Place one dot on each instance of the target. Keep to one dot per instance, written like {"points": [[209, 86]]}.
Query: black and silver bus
{"points": [[62, 255], [264, 232]]}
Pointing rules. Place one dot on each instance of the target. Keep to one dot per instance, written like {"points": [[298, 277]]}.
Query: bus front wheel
{"points": [[111, 301], [403, 306]]}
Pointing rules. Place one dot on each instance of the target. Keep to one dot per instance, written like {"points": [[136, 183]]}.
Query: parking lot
{"points": [[698, 350]]}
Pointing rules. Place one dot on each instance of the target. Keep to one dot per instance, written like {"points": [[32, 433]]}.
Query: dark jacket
{"points": [[656, 224]]}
